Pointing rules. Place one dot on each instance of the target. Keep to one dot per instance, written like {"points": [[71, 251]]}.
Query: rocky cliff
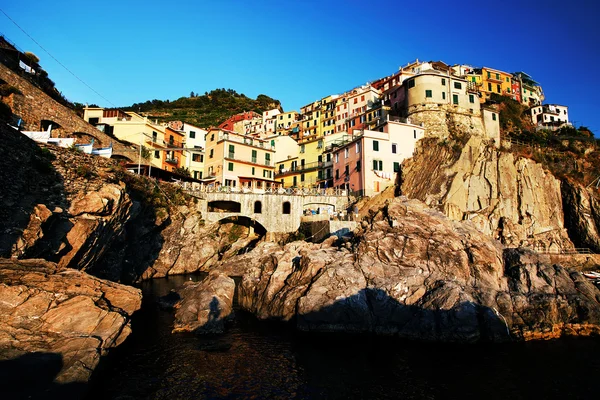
{"points": [[510, 198], [414, 273], [66, 319]]}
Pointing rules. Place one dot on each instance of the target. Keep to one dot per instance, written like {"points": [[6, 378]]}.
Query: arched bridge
{"points": [[278, 211]]}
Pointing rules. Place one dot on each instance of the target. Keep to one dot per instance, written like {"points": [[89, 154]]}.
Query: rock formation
{"points": [[414, 273], [205, 306], [509, 198], [582, 215], [49, 309]]}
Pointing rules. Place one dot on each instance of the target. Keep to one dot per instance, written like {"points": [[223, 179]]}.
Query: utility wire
{"points": [[55, 59]]}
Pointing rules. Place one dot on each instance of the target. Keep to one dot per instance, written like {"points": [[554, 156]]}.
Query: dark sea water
{"points": [[258, 360]]}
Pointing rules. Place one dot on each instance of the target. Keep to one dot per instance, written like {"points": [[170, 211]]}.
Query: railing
{"points": [[576, 250], [198, 189], [171, 160], [300, 168]]}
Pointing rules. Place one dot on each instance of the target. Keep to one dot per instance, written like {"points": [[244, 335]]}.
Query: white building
{"points": [[551, 116]]}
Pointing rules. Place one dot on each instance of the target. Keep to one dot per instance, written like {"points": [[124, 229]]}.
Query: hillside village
{"points": [[355, 140]]}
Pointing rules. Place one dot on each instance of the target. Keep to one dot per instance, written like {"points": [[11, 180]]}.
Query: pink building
{"points": [[369, 161]]}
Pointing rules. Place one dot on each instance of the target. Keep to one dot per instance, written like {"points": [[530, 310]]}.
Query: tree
{"points": [[192, 94]]}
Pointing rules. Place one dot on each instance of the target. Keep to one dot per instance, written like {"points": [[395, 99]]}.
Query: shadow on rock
{"points": [[32, 376]]}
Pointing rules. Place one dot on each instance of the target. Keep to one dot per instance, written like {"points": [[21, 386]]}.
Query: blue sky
{"points": [[300, 50]]}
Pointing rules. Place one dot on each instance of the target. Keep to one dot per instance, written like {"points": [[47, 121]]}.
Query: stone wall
{"points": [[33, 106], [447, 120]]}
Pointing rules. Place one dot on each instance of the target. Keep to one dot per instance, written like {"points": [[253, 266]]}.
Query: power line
{"points": [[55, 59]]}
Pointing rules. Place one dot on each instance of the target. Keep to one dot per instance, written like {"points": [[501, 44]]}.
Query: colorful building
{"points": [[133, 128], [369, 161], [236, 160]]}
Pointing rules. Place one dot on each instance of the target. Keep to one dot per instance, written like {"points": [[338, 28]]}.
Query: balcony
{"points": [[171, 160], [299, 168]]}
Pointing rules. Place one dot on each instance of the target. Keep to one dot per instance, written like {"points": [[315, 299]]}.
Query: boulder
{"points": [[52, 310], [205, 306]]}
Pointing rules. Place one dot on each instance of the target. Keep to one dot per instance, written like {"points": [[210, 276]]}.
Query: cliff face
{"points": [[582, 214], [509, 198]]}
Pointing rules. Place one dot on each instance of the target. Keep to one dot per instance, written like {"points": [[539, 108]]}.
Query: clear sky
{"points": [[298, 51]]}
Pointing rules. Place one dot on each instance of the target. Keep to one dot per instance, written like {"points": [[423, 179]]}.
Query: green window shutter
{"points": [[454, 99], [375, 145], [428, 93], [252, 170], [375, 165]]}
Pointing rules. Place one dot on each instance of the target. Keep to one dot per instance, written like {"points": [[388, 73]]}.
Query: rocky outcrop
{"points": [[582, 215], [48, 309], [510, 198], [205, 306], [412, 272]]}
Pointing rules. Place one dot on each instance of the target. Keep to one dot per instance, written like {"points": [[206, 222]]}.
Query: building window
{"points": [[498, 76], [302, 148], [210, 155], [415, 133], [498, 88], [346, 152], [457, 85], [257, 207], [337, 157], [396, 167], [357, 147], [377, 165], [212, 137], [157, 154], [267, 159], [494, 116], [394, 148], [489, 87], [337, 174], [230, 166], [301, 177], [443, 95], [411, 83], [471, 98], [347, 170], [154, 137], [254, 154], [455, 99], [196, 157], [375, 145], [253, 170], [444, 81], [286, 207], [192, 135], [428, 93], [358, 166]]}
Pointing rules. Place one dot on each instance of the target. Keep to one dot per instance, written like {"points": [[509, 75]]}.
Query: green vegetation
{"points": [[207, 110], [84, 171], [149, 191]]}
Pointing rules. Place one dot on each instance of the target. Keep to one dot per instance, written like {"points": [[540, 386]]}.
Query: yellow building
{"points": [[285, 122], [301, 170], [235, 160], [327, 115], [133, 128], [494, 81]]}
